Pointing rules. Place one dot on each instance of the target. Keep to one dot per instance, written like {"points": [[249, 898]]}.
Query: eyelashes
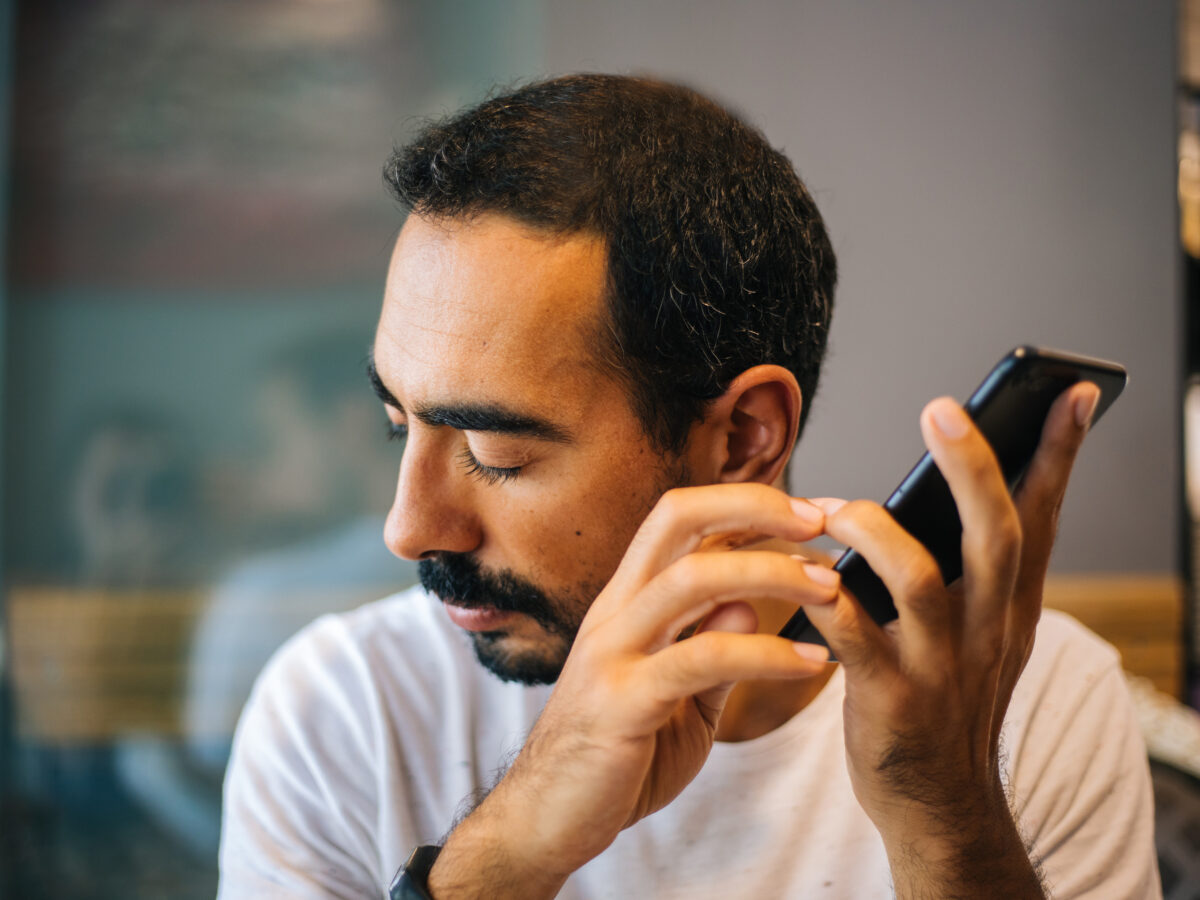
{"points": [[485, 473]]}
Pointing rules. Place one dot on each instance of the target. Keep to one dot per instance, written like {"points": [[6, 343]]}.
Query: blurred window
{"points": [[194, 464]]}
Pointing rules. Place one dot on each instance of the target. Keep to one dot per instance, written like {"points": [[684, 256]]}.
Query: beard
{"points": [[459, 579]]}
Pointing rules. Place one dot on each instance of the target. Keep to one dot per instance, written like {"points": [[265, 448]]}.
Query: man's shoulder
{"points": [[348, 724], [1070, 667]]}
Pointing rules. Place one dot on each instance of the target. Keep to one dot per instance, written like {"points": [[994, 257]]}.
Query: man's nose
{"points": [[432, 511]]}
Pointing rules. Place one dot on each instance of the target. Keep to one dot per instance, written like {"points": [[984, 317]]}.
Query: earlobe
{"points": [[761, 415]]}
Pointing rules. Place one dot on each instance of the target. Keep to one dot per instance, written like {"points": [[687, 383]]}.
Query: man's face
{"points": [[525, 472]]}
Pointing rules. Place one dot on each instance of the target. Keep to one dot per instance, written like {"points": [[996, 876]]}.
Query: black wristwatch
{"points": [[412, 881]]}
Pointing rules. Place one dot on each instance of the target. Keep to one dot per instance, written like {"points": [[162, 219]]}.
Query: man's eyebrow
{"points": [[497, 419], [475, 416]]}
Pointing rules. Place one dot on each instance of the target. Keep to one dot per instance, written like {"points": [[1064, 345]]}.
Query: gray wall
{"points": [[992, 174]]}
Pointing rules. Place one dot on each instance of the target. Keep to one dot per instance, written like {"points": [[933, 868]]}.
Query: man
{"points": [[600, 337]]}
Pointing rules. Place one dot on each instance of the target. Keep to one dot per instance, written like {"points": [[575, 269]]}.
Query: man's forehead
{"points": [[491, 297]]}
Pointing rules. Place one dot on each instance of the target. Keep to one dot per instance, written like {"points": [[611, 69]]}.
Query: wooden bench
{"points": [[1141, 614], [90, 665]]}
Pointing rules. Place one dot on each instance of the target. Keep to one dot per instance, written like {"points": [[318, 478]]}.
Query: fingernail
{"points": [[821, 575], [806, 510], [1085, 408], [949, 418], [812, 651]]}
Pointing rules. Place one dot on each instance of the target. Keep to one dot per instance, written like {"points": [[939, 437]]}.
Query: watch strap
{"points": [[412, 881]]}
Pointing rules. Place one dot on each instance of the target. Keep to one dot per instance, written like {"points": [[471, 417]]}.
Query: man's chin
{"points": [[500, 653]]}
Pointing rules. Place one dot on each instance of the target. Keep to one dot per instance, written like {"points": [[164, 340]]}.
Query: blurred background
{"points": [[195, 240]]}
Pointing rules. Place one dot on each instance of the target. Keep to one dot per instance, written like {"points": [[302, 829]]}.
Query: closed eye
{"points": [[486, 473], [482, 471]]}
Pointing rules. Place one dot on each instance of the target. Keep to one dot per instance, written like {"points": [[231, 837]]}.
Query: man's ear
{"points": [[758, 417]]}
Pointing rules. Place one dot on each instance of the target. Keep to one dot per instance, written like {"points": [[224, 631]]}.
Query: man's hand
{"points": [[632, 717], [926, 696]]}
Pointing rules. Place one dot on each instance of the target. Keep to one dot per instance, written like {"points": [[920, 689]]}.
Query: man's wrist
{"points": [[491, 855], [975, 854]]}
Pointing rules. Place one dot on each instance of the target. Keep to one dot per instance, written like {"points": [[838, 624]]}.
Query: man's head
{"points": [[608, 287]]}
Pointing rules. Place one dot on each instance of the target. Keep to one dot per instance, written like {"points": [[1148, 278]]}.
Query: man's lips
{"points": [[485, 619]]}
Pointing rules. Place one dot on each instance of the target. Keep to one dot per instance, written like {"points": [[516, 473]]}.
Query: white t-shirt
{"points": [[371, 731]]}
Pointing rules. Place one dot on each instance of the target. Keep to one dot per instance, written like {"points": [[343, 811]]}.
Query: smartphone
{"points": [[1010, 408]]}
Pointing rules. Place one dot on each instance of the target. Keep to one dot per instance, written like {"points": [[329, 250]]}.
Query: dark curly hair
{"points": [[718, 259]]}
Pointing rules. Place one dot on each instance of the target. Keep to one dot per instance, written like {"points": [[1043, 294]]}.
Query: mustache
{"points": [[459, 579]]}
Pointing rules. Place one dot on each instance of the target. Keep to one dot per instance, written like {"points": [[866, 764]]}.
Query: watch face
{"points": [[404, 889]]}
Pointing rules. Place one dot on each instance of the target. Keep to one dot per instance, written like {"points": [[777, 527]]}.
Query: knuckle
{"points": [[921, 572], [858, 654], [860, 508], [850, 634], [925, 586], [846, 622], [672, 503], [1002, 539], [688, 574], [862, 520], [862, 513], [608, 681], [924, 604]]}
